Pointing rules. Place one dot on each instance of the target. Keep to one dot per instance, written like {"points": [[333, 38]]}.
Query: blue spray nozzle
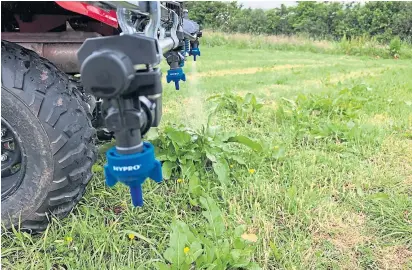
{"points": [[195, 52], [175, 75], [132, 170]]}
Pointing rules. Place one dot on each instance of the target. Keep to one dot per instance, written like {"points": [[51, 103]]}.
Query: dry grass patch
{"points": [[244, 71], [345, 231], [380, 119], [335, 78], [394, 257], [279, 39], [274, 60], [399, 153]]}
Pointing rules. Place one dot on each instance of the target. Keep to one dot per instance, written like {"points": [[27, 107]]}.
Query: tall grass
{"points": [[360, 46]]}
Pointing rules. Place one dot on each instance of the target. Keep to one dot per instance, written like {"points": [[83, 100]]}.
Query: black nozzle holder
{"points": [[108, 72]]}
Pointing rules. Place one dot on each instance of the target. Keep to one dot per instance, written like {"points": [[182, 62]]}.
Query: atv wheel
{"points": [[47, 140]]}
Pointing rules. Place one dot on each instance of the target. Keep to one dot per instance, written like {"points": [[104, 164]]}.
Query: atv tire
{"points": [[51, 122]]}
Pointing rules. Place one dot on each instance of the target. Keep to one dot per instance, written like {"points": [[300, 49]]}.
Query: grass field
{"points": [[325, 183]]}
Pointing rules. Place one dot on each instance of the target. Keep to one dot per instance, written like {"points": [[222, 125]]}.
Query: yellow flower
{"points": [[180, 180], [68, 239], [131, 236], [186, 250], [252, 171], [231, 166]]}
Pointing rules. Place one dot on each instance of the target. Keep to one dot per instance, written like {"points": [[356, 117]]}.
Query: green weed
{"points": [[192, 153], [242, 108], [212, 247]]}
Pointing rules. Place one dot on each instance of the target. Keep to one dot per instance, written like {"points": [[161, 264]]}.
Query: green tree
{"points": [[331, 20]]}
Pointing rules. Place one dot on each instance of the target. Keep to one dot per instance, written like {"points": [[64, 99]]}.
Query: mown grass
{"points": [[331, 188]]}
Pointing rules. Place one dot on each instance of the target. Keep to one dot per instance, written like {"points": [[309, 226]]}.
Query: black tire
{"points": [[51, 119]]}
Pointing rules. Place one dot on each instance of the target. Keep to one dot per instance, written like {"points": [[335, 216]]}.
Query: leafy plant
{"points": [[241, 107], [216, 247], [191, 153], [330, 116]]}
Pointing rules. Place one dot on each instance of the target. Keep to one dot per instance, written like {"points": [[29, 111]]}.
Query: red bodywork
{"points": [[108, 17]]}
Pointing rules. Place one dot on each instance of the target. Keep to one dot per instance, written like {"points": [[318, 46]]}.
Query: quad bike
{"points": [[70, 69]]}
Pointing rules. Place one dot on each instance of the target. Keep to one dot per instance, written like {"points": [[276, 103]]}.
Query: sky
{"points": [[266, 4]]}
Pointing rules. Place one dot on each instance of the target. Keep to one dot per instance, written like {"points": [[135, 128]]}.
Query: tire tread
{"points": [[61, 108]]}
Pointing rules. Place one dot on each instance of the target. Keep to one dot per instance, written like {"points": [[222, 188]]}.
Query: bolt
{"points": [[3, 157]]}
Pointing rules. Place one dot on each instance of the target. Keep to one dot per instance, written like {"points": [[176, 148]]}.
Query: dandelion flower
{"points": [[180, 180], [186, 250], [231, 166], [131, 236], [68, 239], [252, 171]]}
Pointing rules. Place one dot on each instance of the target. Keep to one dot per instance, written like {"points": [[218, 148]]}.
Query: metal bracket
{"points": [[154, 24], [125, 22], [174, 28]]}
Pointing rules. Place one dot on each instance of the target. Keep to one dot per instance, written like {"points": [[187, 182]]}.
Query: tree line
{"points": [[320, 20]]}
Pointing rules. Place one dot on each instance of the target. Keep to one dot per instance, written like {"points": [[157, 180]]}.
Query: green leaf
{"points": [[239, 243], [188, 169], [195, 251], [209, 250], [194, 185], [238, 159], [169, 254], [181, 138], [243, 260], [249, 98], [239, 230], [138, 235], [214, 217], [210, 156], [162, 266], [213, 97], [253, 266], [219, 264], [275, 251], [179, 238], [235, 253], [258, 106], [379, 196], [246, 141], [221, 168], [152, 134], [167, 168]]}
